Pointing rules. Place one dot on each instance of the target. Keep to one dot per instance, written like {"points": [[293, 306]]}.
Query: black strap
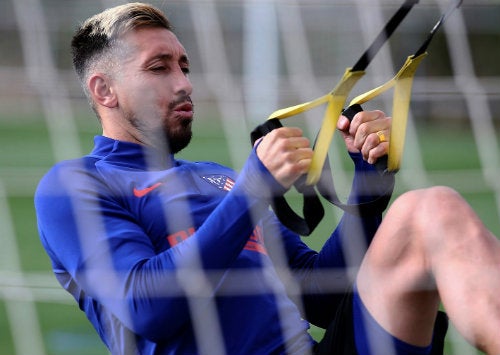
{"points": [[387, 31], [451, 7], [326, 188], [312, 210]]}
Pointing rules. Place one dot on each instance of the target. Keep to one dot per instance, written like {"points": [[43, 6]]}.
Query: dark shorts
{"points": [[339, 338]]}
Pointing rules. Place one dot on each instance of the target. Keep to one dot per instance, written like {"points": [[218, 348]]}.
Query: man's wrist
{"points": [[257, 180]]}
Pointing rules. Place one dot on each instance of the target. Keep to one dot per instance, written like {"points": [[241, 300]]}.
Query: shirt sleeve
{"points": [[105, 259]]}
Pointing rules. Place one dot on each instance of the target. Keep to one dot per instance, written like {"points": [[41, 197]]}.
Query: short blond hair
{"points": [[95, 40]]}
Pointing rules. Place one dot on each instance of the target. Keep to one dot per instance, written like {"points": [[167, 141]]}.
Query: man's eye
{"points": [[186, 70], [158, 69]]}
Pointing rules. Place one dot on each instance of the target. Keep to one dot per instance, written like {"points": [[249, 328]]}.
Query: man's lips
{"points": [[186, 106], [185, 110]]}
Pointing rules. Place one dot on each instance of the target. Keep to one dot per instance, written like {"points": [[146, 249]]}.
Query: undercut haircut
{"points": [[94, 42]]}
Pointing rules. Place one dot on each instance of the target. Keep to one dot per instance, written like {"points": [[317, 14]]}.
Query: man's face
{"points": [[153, 89]]}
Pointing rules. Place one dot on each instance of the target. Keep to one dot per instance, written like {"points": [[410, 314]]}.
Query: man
{"points": [[172, 257]]}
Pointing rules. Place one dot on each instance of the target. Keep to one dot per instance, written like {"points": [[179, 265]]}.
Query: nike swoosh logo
{"points": [[145, 191]]}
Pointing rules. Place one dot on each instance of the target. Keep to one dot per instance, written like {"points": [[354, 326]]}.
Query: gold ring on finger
{"points": [[381, 136]]}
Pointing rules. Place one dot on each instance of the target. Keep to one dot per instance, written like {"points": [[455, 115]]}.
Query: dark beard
{"points": [[173, 140], [177, 141]]}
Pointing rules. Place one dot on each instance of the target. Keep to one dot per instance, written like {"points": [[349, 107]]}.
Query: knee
{"points": [[428, 205], [439, 212]]}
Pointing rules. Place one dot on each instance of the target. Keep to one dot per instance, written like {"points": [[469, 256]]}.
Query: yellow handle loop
{"points": [[402, 83], [336, 100]]}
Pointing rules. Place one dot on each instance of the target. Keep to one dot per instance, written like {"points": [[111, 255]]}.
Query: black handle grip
{"points": [[263, 129], [381, 163]]}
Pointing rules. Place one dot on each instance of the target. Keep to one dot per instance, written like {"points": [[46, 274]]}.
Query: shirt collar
{"points": [[131, 155]]}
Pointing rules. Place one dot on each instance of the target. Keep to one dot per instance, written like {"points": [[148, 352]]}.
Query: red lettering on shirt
{"points": [[177, 237], [255, 241]]}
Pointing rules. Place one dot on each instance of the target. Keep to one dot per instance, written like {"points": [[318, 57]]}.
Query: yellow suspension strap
{"points": [[335, 100], [389, 164], [335, 103], [402, 83]]}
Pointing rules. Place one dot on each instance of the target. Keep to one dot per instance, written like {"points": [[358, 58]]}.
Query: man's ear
{"points": [[101, 90]]}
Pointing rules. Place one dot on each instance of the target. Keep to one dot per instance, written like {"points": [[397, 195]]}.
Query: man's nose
{"points": [[183, 84]]}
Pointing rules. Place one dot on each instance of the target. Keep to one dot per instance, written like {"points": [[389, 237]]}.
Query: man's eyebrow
{"points": [[165, 56]]}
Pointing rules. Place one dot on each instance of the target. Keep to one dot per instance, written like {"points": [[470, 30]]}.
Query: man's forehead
{"points": [[155, 42]]}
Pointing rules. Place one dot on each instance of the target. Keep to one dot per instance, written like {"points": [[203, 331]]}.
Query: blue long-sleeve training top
{"points": [[167, 256]]}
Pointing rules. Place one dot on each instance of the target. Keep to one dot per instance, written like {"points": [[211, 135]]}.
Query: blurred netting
{"points": [[248, 58]]}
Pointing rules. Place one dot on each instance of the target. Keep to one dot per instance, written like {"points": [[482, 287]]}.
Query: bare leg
{"points": [[431, 247]]}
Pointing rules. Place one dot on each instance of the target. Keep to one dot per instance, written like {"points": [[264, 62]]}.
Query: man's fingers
{"points": [[286, 132], [286, 154], [367, 133], [375, 146], [363, 117]]}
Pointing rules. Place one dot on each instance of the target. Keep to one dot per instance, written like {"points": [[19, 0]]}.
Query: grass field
{"points": [[26, 154]]}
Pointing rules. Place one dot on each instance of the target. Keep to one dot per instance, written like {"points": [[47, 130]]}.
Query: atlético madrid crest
{"points": [[222, 182]]}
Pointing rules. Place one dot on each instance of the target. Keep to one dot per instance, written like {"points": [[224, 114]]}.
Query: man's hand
{"points": [[286, 153], [368, 133]]}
